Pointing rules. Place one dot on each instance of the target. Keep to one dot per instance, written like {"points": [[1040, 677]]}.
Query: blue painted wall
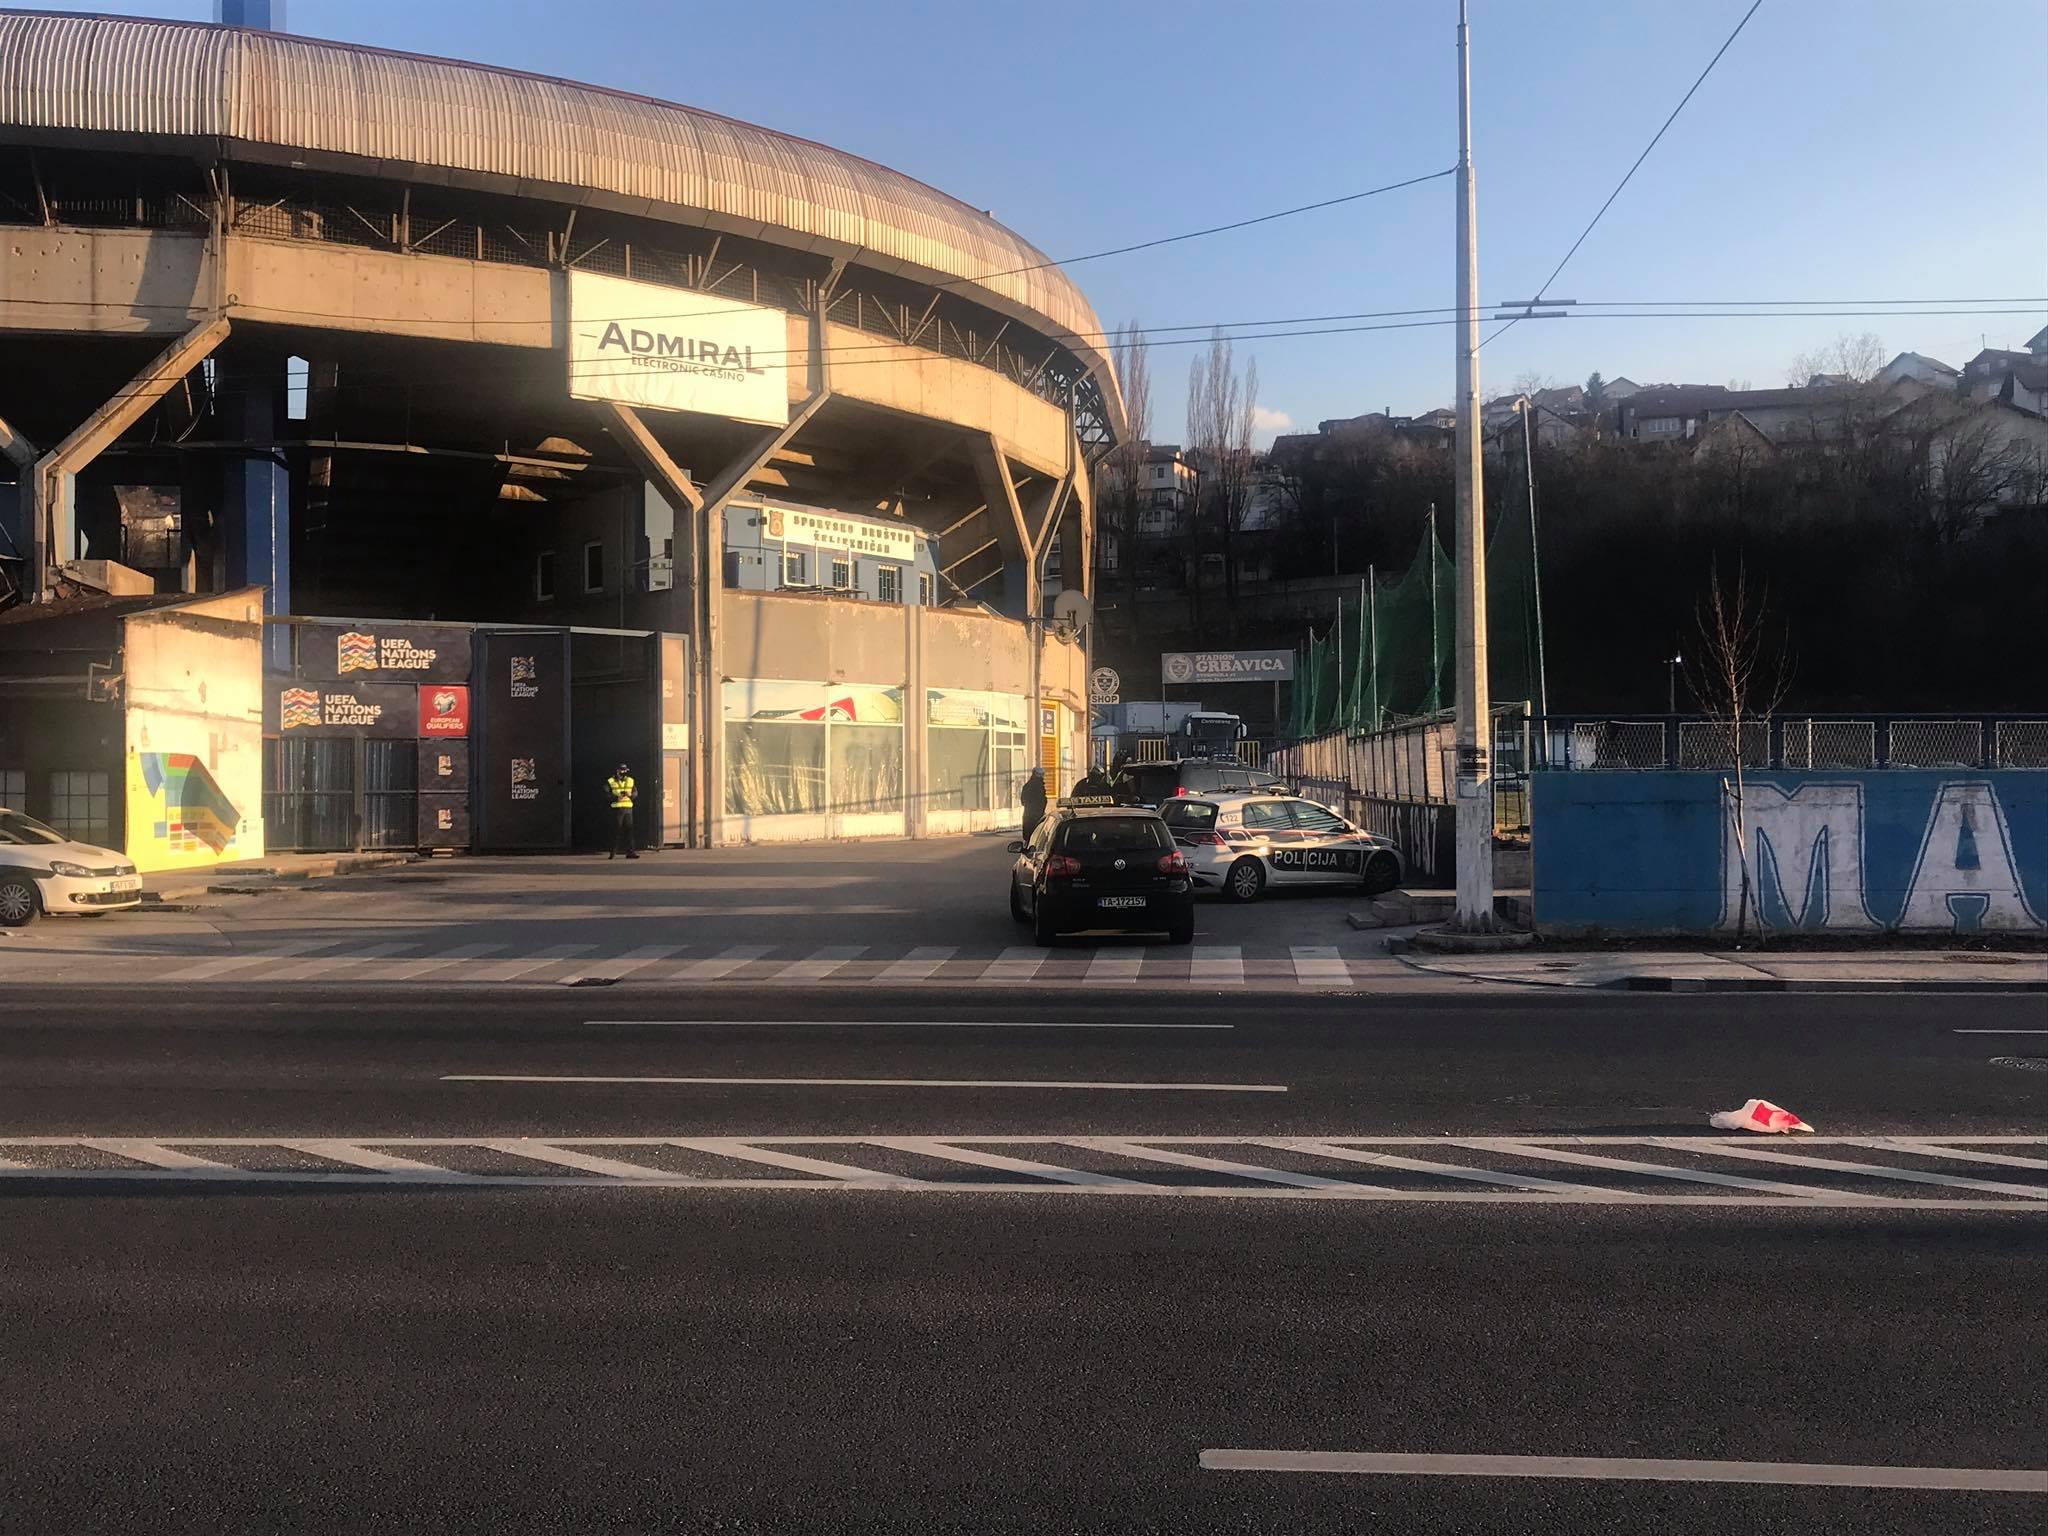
{"points": [[1951, 851]]}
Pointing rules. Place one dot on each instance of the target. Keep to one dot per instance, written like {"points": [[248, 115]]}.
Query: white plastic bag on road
{"points": [[1759, 1115]]}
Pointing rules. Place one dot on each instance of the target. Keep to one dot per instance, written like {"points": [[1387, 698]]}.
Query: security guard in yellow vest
{"points": [[620, 787]]}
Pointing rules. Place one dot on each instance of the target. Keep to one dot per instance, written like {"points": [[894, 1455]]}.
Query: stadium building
{"points": [[608, 427]]}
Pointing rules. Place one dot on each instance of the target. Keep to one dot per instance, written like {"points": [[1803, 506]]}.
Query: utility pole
{"points": [[1474, 769], [1535, 563]]}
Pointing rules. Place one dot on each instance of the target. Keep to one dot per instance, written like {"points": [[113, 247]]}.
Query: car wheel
{"points": [[1017, 912], [1382, 874], [1245, 880], [18, 902], [1183, 930], [1041, 927]]}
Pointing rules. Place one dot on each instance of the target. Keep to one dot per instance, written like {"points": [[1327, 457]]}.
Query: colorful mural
{"points": [[187, 811]]}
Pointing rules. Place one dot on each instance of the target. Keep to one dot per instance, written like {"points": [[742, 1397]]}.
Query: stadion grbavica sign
{"points": [[1184, 667], [675, 349]]}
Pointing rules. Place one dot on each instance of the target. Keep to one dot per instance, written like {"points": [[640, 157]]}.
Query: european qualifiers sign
{"points": [[1182, 668], [676, 349], [384, 651]]}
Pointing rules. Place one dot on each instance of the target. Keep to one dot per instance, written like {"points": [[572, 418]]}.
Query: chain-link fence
{"points": [[1802, 743]]}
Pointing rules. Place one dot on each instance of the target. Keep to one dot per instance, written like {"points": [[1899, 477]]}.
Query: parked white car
{"points": [[1240, 844], [41, 870]]}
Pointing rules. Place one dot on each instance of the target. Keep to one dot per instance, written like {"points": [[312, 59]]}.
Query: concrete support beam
{"points": [[16, 522], [256, 494], [1021, 597], [53, 530]]}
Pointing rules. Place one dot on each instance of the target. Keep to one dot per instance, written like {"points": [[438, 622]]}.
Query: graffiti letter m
{"points": [[1806, 857]]}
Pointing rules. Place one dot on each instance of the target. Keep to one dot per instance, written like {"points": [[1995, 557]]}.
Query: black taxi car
{"points": [[1093, 864]]}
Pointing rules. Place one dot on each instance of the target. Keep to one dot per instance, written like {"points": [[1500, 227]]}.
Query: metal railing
{"points": [[1799, 743]]}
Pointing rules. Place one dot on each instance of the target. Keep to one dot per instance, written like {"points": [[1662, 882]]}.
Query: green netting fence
{"points": [[1390, 654]]}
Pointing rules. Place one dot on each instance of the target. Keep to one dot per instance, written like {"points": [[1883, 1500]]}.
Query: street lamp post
{"points": [[1671, 665]]}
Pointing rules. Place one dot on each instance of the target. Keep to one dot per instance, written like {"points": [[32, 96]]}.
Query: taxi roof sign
{"points": [[1082, 802]]}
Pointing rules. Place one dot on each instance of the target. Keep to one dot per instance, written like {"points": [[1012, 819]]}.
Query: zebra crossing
{"points": [[1825, 1172], [375, 960]]}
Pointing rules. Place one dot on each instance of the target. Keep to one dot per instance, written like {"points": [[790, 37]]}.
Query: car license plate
{"points": [[1119, 901], [125, 883]]}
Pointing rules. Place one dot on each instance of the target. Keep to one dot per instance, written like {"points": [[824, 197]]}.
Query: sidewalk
{"points": [[255, 875], [1912, 970]]}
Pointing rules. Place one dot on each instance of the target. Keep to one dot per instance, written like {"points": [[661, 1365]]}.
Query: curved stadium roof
{"points": [[271, 97]]}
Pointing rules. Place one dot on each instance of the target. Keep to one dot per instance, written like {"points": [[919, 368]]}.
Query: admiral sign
{"points": [[1183, 667], [676, 349]]}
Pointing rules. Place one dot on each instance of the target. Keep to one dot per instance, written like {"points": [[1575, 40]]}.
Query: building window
{"points": [[842, 575], [795, 570], [889, 583], [544, 576], [593, 567], [78, 806], [14, 790], [924, 590]]}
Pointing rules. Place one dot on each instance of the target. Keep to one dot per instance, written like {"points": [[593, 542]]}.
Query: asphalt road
{"points": [[191, 1352]]}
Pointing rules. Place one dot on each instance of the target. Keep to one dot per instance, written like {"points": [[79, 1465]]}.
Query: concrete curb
{"points": [[256, 881], [1794, 984]]}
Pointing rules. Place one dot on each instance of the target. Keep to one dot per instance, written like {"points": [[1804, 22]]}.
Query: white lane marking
{"points": [[919, 964], [719, 965], [819, 964], [1115, 967], [1217, 965], [1868, 1170], [931, 1147], [621, 966], [1632, 1469], [868, 1082], [1013, 965], [373, 1161], [407, 969], [1919, 1148], [1209, 1164], [1448, 1170], [1656, 1170], [157, 1156], [845, 1173], [1318, 965], [208, 969], [1999, 1031], [582, 1162], [328, 965], [505, 970], [899, 1024]]}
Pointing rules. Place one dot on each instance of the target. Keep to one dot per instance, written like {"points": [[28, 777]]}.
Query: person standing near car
{"points": [[1032, 798], [620, 787]]}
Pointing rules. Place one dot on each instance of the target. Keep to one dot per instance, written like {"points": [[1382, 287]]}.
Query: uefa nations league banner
{"points": [[1897, 851], [676, 349]]}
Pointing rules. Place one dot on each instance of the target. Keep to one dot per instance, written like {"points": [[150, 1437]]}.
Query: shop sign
{"points": [[676, 349], [444, 710]]}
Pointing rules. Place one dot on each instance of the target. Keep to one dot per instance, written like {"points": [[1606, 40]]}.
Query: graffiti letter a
{"points": [[1965, 879]]}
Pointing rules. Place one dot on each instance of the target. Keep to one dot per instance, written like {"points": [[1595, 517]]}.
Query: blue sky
{"points": [[1844, 149]]}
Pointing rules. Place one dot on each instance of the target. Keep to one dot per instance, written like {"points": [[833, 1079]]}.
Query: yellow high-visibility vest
{"points": [[622, 792]]}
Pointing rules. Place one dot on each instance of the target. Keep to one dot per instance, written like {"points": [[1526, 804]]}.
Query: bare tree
{"points": [[1532, 381], [1120, 480], [1966, 473], [1857, 359], [1222, 411], [1740, 673]]}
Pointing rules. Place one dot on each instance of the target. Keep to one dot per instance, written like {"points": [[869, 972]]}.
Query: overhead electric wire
{"points": [[1537, 298]]}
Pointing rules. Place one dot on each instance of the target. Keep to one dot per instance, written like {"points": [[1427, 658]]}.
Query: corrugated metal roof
{"points": [[185, 79]]}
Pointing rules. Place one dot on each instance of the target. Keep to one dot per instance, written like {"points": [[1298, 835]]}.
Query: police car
{"points": [[1241, 844]]}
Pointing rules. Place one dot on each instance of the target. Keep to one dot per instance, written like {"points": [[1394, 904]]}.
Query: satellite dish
{"points": [[1073, 608]]}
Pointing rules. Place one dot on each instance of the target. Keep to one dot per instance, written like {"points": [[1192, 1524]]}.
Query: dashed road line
{"points": [[868, 1082], [1631, 1469]]}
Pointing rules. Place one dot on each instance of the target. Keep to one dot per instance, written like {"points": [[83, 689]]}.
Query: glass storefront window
{"points": [[974, 748], [801, 748]]}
